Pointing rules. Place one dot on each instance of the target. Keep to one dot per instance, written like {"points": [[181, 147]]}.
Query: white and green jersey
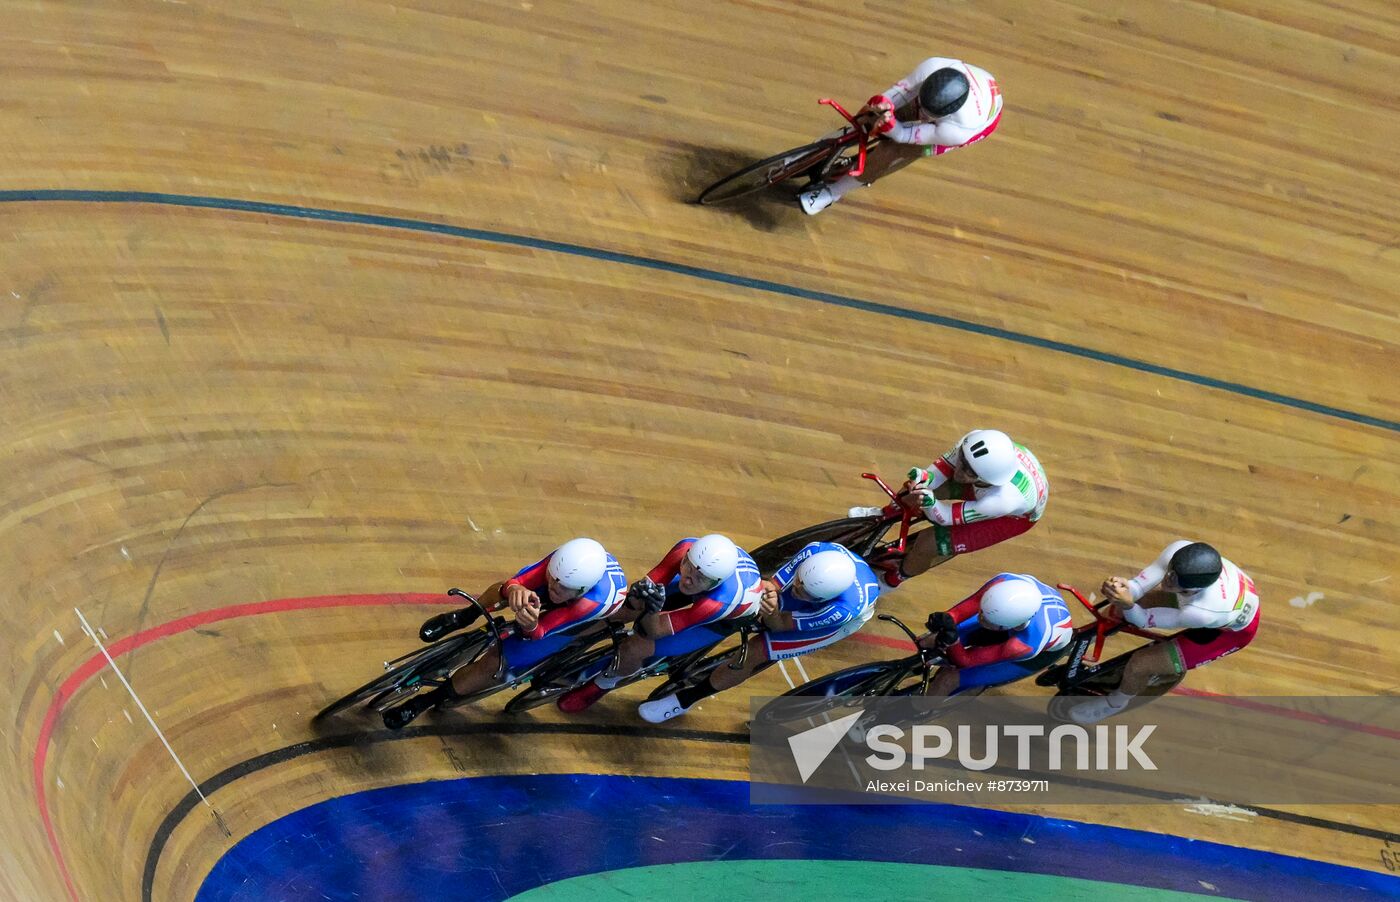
{"points": [[1024, 496]]}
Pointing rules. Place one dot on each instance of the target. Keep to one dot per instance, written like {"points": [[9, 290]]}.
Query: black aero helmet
{"points": [[1196, 565], [943, 92]]}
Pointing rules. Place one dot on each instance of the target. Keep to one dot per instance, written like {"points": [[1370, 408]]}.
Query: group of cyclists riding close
{"points": [[984, 490]]}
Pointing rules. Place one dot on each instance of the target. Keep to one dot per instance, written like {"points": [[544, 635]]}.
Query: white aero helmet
{"points": [[826, 574], [1010, 603], [990, 454], [578, 564], [714, 556]]}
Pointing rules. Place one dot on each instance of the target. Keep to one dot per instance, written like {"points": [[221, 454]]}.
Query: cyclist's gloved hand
{"points": [[916, 494], [920, 500], [652, 595], [880, 104], [879, 112], [943, 628]]}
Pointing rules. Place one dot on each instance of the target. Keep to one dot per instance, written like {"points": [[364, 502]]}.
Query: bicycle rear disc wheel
{"points": [[534, 697], [554, 682], [690, 676], [844, 688], [854, 533], [757, 176]]}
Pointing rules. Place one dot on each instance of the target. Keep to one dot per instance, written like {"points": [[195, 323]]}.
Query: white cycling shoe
{"points": [[816, 199], [661, 710], [1093, 711]]}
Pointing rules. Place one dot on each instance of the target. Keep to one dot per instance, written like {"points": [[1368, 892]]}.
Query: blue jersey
{"points": [[857, 601]]}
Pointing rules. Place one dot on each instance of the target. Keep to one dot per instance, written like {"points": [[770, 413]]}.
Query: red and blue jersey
{"points": [[606, 596], [737, 596], [1049, 629]]}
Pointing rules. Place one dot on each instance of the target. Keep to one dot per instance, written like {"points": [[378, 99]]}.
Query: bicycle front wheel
{"points": [[757, 176], [430, 664]]}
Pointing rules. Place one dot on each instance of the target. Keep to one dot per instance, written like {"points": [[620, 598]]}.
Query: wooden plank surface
{"points": [[208, 407]]}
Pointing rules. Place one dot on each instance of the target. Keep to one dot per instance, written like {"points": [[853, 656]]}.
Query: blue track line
{"points": [[696, 272]]}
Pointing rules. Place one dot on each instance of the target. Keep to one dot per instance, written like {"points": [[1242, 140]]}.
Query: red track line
{"points": [[1308, 716], [886, 641], [92, 666]]}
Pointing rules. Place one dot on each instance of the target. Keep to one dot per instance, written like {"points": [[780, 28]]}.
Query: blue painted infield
{"points": [[490, 838]]}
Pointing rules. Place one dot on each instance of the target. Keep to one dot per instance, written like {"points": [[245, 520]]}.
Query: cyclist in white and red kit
{"points": [[985, 490], [942, 105], [1211, 600]]}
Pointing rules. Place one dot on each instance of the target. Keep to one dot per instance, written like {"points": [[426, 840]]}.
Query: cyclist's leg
{"points": [[883, 158], [1165, 662], [1156, 668], [1150, 670], [927, 549], [945, 681], [780, 646], [1198, 649], [640, 648], [721, 678], [686, 641], [762, 649], [938, 544], [520, 654], [632, 651], [1001, 673]]}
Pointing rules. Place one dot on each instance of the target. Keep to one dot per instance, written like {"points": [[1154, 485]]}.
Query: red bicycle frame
{"points": [[856, 171], [1105, 624], [906, 516]]}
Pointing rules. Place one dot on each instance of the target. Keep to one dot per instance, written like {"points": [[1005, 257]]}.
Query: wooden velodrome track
{"points": [[1174, 273]]}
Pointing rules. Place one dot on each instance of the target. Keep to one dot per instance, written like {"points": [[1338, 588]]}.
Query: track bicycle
{"points": [[821, 160], [568, 672], [863, 536], [1083, 674], [857, 686], [432, 666]]}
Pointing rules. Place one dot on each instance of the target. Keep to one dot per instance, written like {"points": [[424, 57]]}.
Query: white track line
{"points": [[826, 718], [149, 719]]}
